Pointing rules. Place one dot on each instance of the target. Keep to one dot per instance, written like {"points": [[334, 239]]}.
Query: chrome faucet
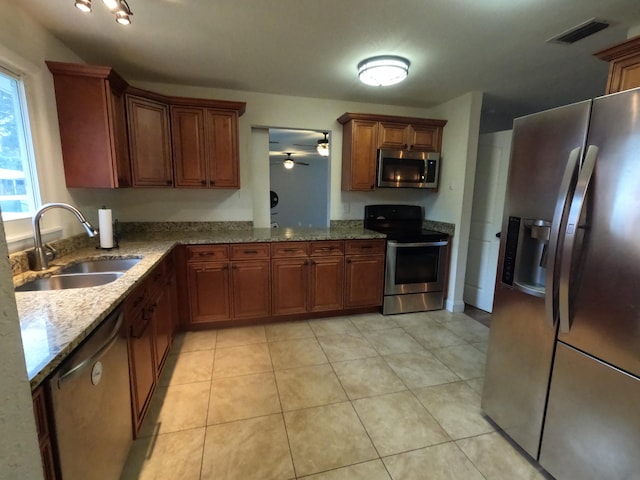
{"points": [[42, 254]]}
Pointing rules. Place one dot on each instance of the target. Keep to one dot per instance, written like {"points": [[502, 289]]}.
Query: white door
{"points": [[486, 218]]}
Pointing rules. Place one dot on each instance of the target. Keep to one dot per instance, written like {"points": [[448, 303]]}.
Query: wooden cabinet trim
{"points": [[624, 65], [346, 117]]}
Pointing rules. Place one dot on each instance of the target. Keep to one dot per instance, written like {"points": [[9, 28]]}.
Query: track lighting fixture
{"points": [[120, 8]]}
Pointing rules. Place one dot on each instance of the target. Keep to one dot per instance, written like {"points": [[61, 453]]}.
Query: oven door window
{"points": [[414, 269], [417, 265]]}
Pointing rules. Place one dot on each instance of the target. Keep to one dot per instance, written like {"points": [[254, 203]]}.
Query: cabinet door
{"points": [[326, 283], [359, 155], [425, 138], [250, 285], [149, 142], [364, 280], [188, 133], [289, 285], [222, 148], [209, 294], [393, 135], [44, 433], [141, 362], [162, 325], [92, 122]]}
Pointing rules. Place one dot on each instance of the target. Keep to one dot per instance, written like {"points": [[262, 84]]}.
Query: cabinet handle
{"points": [[206, 254], [142, 330], [306, 262], [138, 300], [212, 183], [251, 251], [203, 182], [169, 182], [371, 187], [225, 267], [348, 260], [290, 250], [365, 247], [411, 147], [404, 146]]}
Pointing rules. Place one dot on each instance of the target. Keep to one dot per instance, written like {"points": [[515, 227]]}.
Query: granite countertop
{"points": [[55, 322]]}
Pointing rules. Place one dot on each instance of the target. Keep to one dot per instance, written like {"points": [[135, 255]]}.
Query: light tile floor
{"points": [[358, 397]]}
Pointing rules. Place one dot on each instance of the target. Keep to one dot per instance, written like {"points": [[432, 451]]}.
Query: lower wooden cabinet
{"points": [[226, 283], [238, 282], [364, 273], [149, 312], [250, 289], [142, 364], [307, 277], [43, 428]]}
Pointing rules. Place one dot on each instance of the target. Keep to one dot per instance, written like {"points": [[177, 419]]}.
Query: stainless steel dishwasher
{"points": [[91, 395]]}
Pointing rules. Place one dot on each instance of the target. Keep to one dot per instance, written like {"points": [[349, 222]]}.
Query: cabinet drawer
{"points": [[289, 249], [241, 251], [199, 253], [327, 247], [135, 300], [364, 247]]}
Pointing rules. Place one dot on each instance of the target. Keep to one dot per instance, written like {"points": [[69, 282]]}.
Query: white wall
{"points": [[453, 201], [24, 46]]}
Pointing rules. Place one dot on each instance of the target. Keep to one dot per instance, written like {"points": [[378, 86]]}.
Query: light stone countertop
{"points": [[54, 323]]}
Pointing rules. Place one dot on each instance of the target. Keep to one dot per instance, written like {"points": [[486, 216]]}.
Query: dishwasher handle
{"points": [[91, 359]]}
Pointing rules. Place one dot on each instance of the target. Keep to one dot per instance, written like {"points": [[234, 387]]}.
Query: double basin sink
{"points": [[90, 273]]}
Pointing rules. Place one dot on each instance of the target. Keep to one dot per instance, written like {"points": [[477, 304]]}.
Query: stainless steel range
{"points": [[416, 266]]}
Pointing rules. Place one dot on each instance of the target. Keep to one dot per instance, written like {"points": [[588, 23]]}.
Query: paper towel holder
{"points": [[110, 227]]}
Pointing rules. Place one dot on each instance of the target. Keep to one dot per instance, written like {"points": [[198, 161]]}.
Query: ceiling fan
{"points": [[289, 162], [322, 145]]}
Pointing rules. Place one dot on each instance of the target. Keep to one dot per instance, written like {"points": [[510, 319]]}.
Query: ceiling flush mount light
{"points": [[120, 8], [383, 71], [323, 145]]}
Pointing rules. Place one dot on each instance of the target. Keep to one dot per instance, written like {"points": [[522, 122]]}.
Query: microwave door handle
{"points": [[563, 201], [396, 244], [568, 247]]}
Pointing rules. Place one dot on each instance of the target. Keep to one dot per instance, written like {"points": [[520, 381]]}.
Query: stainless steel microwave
{"points": [[407, 169]]}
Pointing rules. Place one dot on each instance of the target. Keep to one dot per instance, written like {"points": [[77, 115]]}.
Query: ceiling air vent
{"points": [[580, 31]]}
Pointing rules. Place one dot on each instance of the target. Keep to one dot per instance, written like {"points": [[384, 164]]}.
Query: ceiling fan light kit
{"points": [[323, 146], [120, 8], [383, 70]]}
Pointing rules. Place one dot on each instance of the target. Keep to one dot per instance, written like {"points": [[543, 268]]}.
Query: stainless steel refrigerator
{"points": [[563, 367]]}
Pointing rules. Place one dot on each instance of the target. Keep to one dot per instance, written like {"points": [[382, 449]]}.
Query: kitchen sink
{"points": [[97, 266], [72, 280], [89, 273]]}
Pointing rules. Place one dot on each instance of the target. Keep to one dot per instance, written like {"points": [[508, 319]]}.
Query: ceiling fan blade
{"points": [[301, 163]]}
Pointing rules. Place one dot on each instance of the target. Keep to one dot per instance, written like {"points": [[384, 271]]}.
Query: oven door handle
{"points": [[396, 244]]}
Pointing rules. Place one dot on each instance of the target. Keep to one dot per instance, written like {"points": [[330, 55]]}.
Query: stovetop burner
{"points": [[400, 222]]}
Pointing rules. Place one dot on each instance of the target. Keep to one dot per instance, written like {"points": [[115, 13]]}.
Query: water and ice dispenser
{"points": [[525, 254]]}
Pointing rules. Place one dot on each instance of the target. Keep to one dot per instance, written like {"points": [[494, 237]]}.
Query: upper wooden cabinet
{"points": [[114, 135], [149, 142], [205, 146], [364, 134], [359, 144], [624, 65], [93, 128]]}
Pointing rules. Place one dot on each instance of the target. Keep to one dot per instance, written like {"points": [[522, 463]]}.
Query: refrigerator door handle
{"points": [[562, 205], [582, 187]]}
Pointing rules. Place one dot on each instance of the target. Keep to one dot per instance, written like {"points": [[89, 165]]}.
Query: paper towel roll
{"points": [[105, 226]]}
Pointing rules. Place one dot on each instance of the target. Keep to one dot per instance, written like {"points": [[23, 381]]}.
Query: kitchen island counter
{"points": [[54, 323]]}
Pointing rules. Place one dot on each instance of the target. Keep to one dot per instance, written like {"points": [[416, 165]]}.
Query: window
{"points": [[18, 185]]}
